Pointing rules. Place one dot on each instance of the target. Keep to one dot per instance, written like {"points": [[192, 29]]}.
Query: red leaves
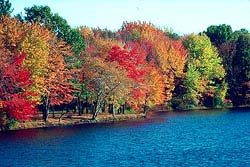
{"points": [[179, 47], [138, 93], [18, 60], [19, 107], [60, 94], [14, 74], [130, 60], [13, 81]]}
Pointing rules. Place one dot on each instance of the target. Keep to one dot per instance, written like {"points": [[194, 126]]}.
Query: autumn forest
{"points": [[48, 66]]}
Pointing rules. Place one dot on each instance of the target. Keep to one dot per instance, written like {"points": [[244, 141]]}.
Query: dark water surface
{"points": [[198, 138]]}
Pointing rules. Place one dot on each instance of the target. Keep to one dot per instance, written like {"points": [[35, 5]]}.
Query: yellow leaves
{"points": [[106, 80], [36, 45], [10, 32], [42, 49], [59, 47], [205, 70], [205, 56], [168, 59], [57, 74], [87, 33]]}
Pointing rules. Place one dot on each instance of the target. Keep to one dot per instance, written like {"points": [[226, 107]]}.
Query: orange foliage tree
{"points": [[32, 39], [45, 59], [155, 87], [58, 87], [163, 52]]}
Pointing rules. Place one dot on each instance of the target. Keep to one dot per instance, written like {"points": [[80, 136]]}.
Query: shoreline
{"points": [[206, 108], [71, 120]]}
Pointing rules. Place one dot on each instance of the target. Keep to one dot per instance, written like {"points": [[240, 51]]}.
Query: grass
{"points": [[74, 119]]}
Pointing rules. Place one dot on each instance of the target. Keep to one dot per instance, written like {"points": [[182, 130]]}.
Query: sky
{"points": [[183, 16]]}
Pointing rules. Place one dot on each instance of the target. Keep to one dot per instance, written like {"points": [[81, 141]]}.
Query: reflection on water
{"points": [[197, 138]]}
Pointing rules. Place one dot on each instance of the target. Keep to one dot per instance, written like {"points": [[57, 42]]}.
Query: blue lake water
{"points": [[197, 138]]}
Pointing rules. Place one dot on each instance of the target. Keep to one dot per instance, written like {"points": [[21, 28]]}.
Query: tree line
{"points": [[45, 65]]}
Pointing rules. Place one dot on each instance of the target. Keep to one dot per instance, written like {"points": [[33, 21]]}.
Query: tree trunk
{"points": [[46, 110], [62, 114], [96, 109], [145, 107], [113, 110], [123, 109], [103, 107], [78, 106], [86, 110], [53, 112]]}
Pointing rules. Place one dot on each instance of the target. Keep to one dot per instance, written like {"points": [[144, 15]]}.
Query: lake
{"points": [[197, 138]]}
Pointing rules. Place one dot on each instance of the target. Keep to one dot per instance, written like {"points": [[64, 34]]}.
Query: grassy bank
{"points": [[73, 119], [69, 120]]}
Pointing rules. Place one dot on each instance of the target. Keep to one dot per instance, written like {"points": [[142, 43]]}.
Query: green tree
{"points": [[219, 34], [5, 7], [237, 33], [44, 16], [57, 24], [239, 91], [232, 47], [105, 33], [171, 34], [205, 73], [227, 52]]}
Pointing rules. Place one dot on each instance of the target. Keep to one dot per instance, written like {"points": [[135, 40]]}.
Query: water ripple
{"points": [[199, 138]]}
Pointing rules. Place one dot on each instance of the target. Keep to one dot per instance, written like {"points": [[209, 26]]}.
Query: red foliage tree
{"points": [[132, 58], [14, 79], [180, 48], [129, 59]]}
